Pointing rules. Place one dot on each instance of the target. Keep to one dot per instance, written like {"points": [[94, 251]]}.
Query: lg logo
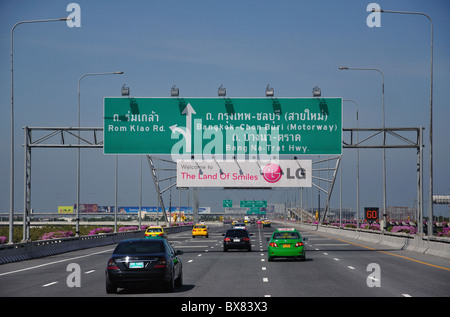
{"points": [[272, 173]]}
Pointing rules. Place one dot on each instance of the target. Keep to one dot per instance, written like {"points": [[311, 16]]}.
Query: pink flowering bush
{"points": [[56, 235], [2, 240], [374, 226], [405, 229], [100, 230], [130, 228], [445, 232]]}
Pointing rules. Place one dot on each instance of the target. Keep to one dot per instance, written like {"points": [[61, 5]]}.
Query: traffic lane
{"points": [[195, 261], [322, 274], [52, 276], [211, 272], [395, 251], [77, 273], [394, 272]]}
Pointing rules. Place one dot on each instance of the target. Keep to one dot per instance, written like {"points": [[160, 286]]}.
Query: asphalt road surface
{"points": [[334, 267]]}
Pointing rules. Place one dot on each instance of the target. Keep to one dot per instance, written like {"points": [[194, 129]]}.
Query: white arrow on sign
{"points": [[188, 111]]}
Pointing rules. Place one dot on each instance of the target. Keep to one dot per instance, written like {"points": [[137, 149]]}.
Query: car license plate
{"points": [[236, 240], [286, 245], [136, 265]]}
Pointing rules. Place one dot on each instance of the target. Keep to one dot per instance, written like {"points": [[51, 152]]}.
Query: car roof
{"points": [[136, 242]]}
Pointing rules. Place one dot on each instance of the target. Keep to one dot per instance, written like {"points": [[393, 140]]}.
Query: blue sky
{"points": [[199, 45]]}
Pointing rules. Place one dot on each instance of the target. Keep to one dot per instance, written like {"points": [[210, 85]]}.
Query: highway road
{"points": [[334, 267]]}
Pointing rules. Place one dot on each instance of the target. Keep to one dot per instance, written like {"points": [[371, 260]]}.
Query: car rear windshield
{"points": [[154, 230], [237, 233], [200, 227], [139, 247], [286, 235]]}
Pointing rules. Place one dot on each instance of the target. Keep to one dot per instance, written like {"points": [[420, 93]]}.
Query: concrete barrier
{"points": [[38, 249]]}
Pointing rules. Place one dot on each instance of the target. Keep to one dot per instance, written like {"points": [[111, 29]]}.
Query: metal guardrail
{"points": [[38, 249]]}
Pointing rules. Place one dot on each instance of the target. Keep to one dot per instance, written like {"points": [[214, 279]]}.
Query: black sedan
{"points": [[144, 261], [237, 239]]}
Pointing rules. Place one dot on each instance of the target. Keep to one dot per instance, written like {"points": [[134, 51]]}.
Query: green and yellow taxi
{"points": [[286, 242], [155, 232], [200, 230]]}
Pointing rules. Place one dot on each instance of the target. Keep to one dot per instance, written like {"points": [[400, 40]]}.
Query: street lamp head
{"points": [[125, 91], [174, 92], [343, 68], [316, 91], [221, 92], [119, 73], [269, 91]]}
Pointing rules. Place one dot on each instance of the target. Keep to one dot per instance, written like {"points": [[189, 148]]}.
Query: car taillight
{"points": [[160, 234], [227, 239], [299, 244], [246, 239], [160, 264], [273, 244], [112, 265]]}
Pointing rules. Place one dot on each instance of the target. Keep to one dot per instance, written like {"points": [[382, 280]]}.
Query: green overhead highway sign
{"points": [[253, 203], [222, 126], [227, 203]]}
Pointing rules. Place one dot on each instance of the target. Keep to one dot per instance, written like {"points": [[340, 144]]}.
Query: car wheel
{"points": [[171, 284], [110, 288], [179, 280], [225, 249]]}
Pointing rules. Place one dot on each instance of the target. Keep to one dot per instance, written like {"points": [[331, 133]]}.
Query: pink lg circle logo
{"points": [[272, 173]]}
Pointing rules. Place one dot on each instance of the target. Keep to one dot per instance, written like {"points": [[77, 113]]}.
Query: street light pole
{"points": [[11, 189], [357, 161], [430, 198], [384, 138], [77, 231]]}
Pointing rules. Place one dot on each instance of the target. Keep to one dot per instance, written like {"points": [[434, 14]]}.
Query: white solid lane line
{"points": [[55, 262]]}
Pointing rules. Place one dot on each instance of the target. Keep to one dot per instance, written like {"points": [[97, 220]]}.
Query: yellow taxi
{"points": [[200, 230], [155, 232], [266, 223]]}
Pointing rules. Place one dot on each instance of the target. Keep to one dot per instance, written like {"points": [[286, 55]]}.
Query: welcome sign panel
{"points": [[244, 174]]}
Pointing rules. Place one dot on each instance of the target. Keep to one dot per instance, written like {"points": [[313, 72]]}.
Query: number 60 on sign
{"points": [[371, 214]]}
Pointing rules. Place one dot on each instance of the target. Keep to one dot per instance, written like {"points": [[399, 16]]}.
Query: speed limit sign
{"points": [[371, 214]]}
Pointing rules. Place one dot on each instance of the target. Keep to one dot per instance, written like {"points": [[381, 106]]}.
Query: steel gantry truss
{"points": [[85, 137]]}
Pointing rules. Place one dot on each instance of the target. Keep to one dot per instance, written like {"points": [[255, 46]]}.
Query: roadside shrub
{"points": [[405, 229], [100, 230], [444, 232], [56, 235], [130, 228]]}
